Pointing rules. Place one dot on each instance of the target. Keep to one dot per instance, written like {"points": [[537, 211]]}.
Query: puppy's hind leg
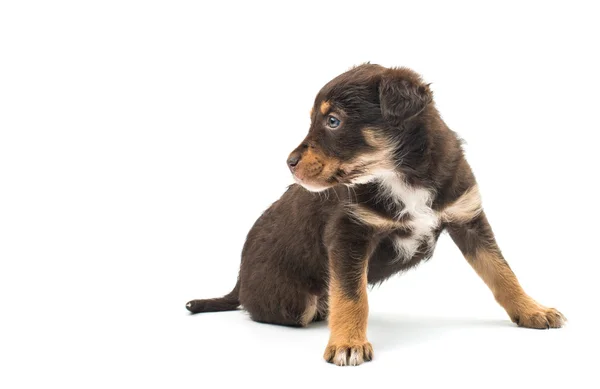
{"points": [[477, 243], [284, 303], [322, 308]]}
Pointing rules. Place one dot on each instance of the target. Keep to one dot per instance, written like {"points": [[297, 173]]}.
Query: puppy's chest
{"points": [[407, 215]]}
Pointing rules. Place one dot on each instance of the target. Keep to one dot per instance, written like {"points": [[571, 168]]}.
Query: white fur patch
{"points": [[356, 357], [340, 359], [417, 204], [309, 187], [406, 248]]}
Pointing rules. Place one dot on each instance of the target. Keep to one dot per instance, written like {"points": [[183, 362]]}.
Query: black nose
{"points": [[293, 160]]}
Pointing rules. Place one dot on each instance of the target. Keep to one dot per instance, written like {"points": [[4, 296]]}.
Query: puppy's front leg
{"points": [[476, 241], [349, 248]]}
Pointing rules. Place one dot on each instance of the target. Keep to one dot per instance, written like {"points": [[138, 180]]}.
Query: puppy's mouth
{"points": [[315, 183], [340, 176]]}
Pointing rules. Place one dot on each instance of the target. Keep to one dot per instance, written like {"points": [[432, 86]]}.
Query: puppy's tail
{"points": [[229, 302]]}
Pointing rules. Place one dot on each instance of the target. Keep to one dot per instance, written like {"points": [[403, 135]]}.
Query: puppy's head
{"points": [[357, 125]]}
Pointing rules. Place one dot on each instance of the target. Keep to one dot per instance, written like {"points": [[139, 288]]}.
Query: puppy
{"points": [[379, 177]]}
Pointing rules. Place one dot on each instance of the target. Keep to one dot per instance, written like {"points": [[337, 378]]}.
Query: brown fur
{"points": [[392, 177]]}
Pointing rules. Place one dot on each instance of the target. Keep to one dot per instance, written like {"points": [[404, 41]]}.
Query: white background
{"points": [[140, 140]]}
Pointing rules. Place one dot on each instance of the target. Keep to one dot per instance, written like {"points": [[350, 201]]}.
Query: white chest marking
{"points": [[417, 204]]}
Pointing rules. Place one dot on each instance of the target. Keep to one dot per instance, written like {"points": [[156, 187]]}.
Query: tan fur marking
{"points": [[348, 324], [369, 217], [375, 162], [325, 105], [310, 312], [503, 283], [373, 139], [312, 109], [378, 160], [310, 156], [314, 167], [347, 317], [465, 208], [310, 166]]}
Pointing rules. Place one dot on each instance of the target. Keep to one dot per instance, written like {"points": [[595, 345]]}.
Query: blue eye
{"points": [[333, 122]]}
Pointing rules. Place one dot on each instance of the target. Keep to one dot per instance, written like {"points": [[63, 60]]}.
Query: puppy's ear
{"points": [[402, 95]]}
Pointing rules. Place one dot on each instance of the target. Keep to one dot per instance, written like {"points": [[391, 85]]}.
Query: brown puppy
{"points": [[392, 176]]}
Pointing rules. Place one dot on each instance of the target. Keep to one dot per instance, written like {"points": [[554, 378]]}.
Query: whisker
{"points": [[336, 195]]}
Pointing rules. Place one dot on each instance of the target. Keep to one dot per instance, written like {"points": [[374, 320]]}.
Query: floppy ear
{"points": [[402, 96]]}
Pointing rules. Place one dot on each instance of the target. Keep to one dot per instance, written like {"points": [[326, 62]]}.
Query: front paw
{"points": [[348, 353], [539, 317]]}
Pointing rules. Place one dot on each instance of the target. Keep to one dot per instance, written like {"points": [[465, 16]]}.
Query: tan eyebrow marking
{"points": [[312, 109], [325, 105]]}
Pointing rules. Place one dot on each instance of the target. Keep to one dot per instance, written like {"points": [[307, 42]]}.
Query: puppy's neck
{"points": [[394, 186]]}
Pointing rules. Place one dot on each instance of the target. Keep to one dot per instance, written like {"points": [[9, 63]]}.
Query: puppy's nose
{"points": [[293, 160]]}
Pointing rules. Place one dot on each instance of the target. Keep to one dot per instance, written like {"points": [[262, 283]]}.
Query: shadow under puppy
{"points": [[391, 177]]}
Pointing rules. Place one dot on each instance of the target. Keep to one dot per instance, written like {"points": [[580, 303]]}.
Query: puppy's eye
{"points": [[333, 122]]}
